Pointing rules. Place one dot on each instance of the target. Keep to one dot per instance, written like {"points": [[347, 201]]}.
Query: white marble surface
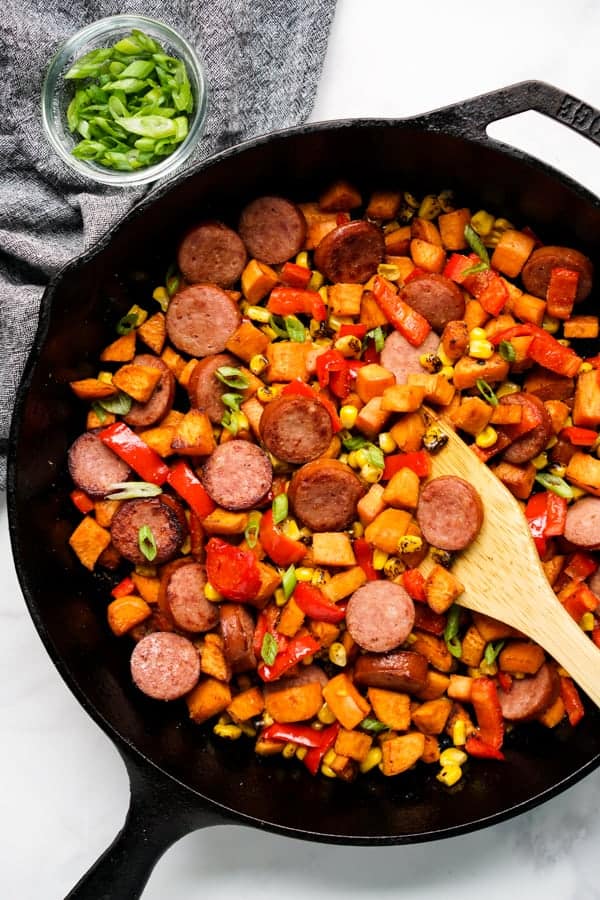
{"points": [[64, 789]]}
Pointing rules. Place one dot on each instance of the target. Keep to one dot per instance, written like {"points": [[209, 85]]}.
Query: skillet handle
{"points": [[470, 118], [160, 812]]}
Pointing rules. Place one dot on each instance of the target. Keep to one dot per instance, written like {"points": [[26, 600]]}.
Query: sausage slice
{"points": [[583, 523], [380, 616], [163, 520], [529, 445], [404, 670], [296, 429], [237, 475], [141, 415], [401, 358], [189, 607], [201, 319], [212, 252], [324, 494], [538, 268], [165, 666], [450, 513], [529, 697], [94, 467], [204, 388], [237, 631], [438, 299], [351, 253], [273, 229]]}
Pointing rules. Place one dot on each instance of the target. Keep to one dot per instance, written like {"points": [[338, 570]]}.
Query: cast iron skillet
{"points": [[180, 778]]}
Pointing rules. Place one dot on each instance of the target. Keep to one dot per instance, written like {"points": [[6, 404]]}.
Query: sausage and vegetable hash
{"points": [[274, 519]]}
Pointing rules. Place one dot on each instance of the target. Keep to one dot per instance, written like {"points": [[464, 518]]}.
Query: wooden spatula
{"points": [[502, 573]]}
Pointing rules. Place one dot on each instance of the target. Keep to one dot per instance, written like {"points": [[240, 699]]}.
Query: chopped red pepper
{"points": [[189, 487], [81, 500], [328, 364], [476, 747], [305, 390], [132, 449], [484, 697], [419, 461], [281, 549], [414, 583], [411, 324], [196, 536], [364, 557], [315, 605], [314, 757], [416, 273], [358, 331], [546, 515], [303, 735], [289, 301], [295, 276], [288, 656], [233, 572], [490, 290], [427, 620], [581, 601], [457, 264], [579, 437], [561, 292], [580, 566], [544, 349], [570, 697], [123, 588], [371, 354], [505, 681], [596, 635]]}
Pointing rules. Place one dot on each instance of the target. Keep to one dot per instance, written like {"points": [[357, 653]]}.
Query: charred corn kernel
{"points": [[258, 314], [509, 387], [540, 461], [550, 324], [211, 593], [371, 760], [324, 293], [291, 530], [329, 757], [161, 295], [327, 771], [555, 468], [481, 349], [564, 342], [148, 571], [362, 457], [280, 598], [411, 639], [105, 377], [585, 367], [186, 546], [487, 437], [308, 660], [357, 530], [269, 332], [348, 416], [371, 474], [577, 492], [334, 323], [502, 224], [386, 442], [337, 654], [474, 672], [266, 719], [449, 775], [265, 393], [459, 733], [247, 729], [348, 346], [316, 281], [343, 458], [411, 200], [431, 362], [352, 460], [453, 757], [225, 719], [380, 557], [304, 573], [477, 334], [434, 438], [258, 364], [447, 372], [394, 225], [441, 353], [442, 557], [325, 715], [482, 222], [563, 672], [488, 668], [231, 732], [302, 259], [289, 750], [317, 726], [320, 576], [393, 567], [551, 443], [447, 200], [410, 543], [587, 622], [389, 271], [301, 753], [430, 207]]}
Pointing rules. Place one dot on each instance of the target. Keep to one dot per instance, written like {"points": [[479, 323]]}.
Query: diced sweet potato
{"points": [[324, 632], [246, 705], [121, 350], [455, 339], [475, 315], [371, 504], [291, 619], [370, 313], [294, 704], [223, 521], [431, 716], [343, 584], [391, 708], [319, 224], [491, 629], [436, 685], [257, 280], [270, 579], [387, 529], [340, 196], [438, 390], [452, 228], [434, 650], [425, 230], [473, 647], [384, 204], [125, 613], [147, 587], [137, 381], [503, 414], [173, 361], [401, 753], [498, 324], [459, 687], [372, 417], [581, 327], [353, 744], [554, 714], [521, 656], [441, 589], [88, 541], [472, 416], [467, 371], [512, 252], [104, 511], [186, 373], [558, 412], [92, 389], [408, 432], [403, 398], [212, 658], [431, 752], [253, 410], [194, 435], [345, 702], [518, 479], [553, 567], [345, 299], [372, 380], [528, 308], [247, 341], [402, 490], [209, 698], [332, 548], [287, 361], [153, 332], [427, 256], [93, 420], [586, 411], [397, 242], [584, 472], [160, 439]]}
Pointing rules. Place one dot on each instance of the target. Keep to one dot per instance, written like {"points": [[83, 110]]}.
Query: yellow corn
{"points": [[211, 593], [352, 460], [140, 314], [551, 324], [482, 222], [430, 207], [348, 416], [242, 420], [371, 474], [304, 573], [386, 270], [301, 753], [441, 354], [541, 461], [337, 654], [585, 367], [447, 372], [161, 295], [362, 457], [258, 363], [564, 342], [320, 576], [410, 543], [269, 332], [477, 334], [372, 759], [148, 571], [488, 668], [323, 293], [231, 732], [265, 394], [348, 346], [553, 440], [343, 458], [411, 638], [487, 437], [509, 387], [280, 598], [247, 729], [563, 672], [481, 349], [290, 529], [329, 757], [316, 281], [317, 726], [555, 468], [325, 715], [386, 442], [334, 323], [459, 733], [186, 546], [449, 775], [411, 200], [357, 529], [105, 377], [587, 622], [327, 771], [453, 757], [289, 750], [431, 362], [502, 224], [308, 660], [258, 314], [302, 259], [393, 567], [380, 557], [577, 492]]}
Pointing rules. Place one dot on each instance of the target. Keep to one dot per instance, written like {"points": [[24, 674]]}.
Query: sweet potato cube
{"points": [[173, 361], [89, 540], [434, 650], [370, 313], [401, 753], [340, 196], [518, 479], [246, 705], [291, 619], [521, 656], [554, 714], [186, 373], [584, 472], [372, 417], [408, 432], [343, 584], [498, 324], [491, 629], [512, 252], [224, 521], [92, 389], [387, 529], [344, 299], [383, 204], [467, 371], [353, 744], [455, 339], [397, 243], [581, 327], [121, 350], [403, 398], [287, 361], [345, 702], [402, 490], [441, 589], [371, 504], [160, 439], [372, 380], [438, 390], [475, 315], [270, 579], [137, 381], [294, 704], [425, 230], [431, 752], [528, 308], [253, 410], [194, 435], [452, 228], [247, 341], [436, 685], [153, 332], [391, 708], [320, 228], [427, 256], [147, 587], [459, 687], [332, 548], [503, 414], [473, 647], [212, 658], [93, 420], [586, 411], [558, 412], [125, 613], [553, 567], [104, 511], [209, 698], [431, 716], [257, 280], [472, 416], [324, 632]]}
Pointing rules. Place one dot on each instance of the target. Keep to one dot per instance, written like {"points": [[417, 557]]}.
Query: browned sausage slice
{"points": [[141, 415], [583, 523], [450, 513], [165, 666], [237, 631], [212, 252], [351, 253], [529, 697], [438, 299], [204, 388], [380, 616], [201, 319], [400, 671], [402, 359], [324, 494], [189, 607], [94, 467], [237, 475], [162, 519], [527, 447], [304, 675], [548, 385], [273, 229], [296, 429], [538, 268]]}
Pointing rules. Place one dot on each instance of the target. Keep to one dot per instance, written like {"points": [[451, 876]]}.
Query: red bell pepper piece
{"points": [[371, 355], [295, 276], [288, 656], [123, 588], [579, 437], [358, 331], [476, 747], [315, 605], [580, 566], [490, 290], [233, 572], [189, 487], [328, 362], [411, 324], [81, 500], [342, 218], [132, 449], [457, 264], [419, 461], [289, 301], [570, 697], [484, 697], [505, 681], [581, 601], [281, 549], [414, 583], [265, 623], [546, 514], [544, 349], [427, 620], [561, 292], [416, 273], [305, 390], [303, 735], [596, 635], [196, 536], [314, 757], [364, 557]]}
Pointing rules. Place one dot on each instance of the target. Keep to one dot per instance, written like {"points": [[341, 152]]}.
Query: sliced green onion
{"points": [[289, 581], [280, 508], [451, 632], [101, 413], [295, 329], [477, 245], [232, 401], [147, 543], [507, 351], [132, 490], [376, 335], [353, 441], [127, 323], [556, 484], [454, 646], [232, 377], [374, 726], [119, 404], [89, 65], [230, 421], [269, 648], [252, 529], [491, 651], [474, 270], [277, 323], [486, 392], [376, 457]]}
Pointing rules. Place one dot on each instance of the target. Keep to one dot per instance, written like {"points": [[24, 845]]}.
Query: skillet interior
{"points": [[68, 604]]}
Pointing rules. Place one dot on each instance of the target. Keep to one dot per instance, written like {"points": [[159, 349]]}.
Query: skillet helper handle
{"points": [[160, 812], [470, 118]]}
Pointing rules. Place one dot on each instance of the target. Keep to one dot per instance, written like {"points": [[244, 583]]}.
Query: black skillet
{"points": [[182, 779]]}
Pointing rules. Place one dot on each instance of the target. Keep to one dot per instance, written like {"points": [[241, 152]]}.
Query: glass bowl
{"points": [[57, 94]]}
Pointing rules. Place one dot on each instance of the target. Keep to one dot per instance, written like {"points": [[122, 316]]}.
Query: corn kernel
{"points": [[247, 729], [289, 750], [555, 468], [564, 342], [241, 420], [443, 357], [477, 334], [308, 660], [577, 492], [161, 295], [481, 349], [258, 314], [386, 442], [563, 672], [380, 557], [372, 759], [430, 207], [585, 367], [349, 346], [357, 529], [488, 668], [411, 639], [371, 474], [280, 598], [550, 324], [329, 757], [386, 270], [459, 733], [508, 387], [327, 771], [304, 573], [105, 377], [431, 362], [434, 438], [265, 394], [453, 757], [325, 715], [324, 293], [393, 567], [317, 726], [211, 593], [301, 753], [502, 224], [447, 372], [348, 416], [540, 461], [394, 225], [410, 543], [334, 323], [343, 458], [482, 222], [449, 775], [316, 281], [337, 654], [269, 332], [140, 314], [290, 529], [587, 622], [362, 456], [487, 437], [231, 732], [551, 443], [320, 576], [258, 363], [352, 460], [302, 259]]}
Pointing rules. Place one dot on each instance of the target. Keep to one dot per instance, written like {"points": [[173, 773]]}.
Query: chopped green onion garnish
{"points": [[232, 377], [147, 543], [268, 650], [374, 726], [127, 323], [119, 404], [375, 455], [252, 529], [172, 279], [477, 245], [377, 336], [101, 413], [454, 646], [353, 441], [556, 484], [451, 632], [474, 270], [132, 490], [486, 392], [289, 581], [280, 508], [295, 329], [491, 651], [507, 351], [230, 421], [232, 401], [277, 323]]}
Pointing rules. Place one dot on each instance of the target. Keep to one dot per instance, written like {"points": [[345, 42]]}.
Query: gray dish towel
{"points": [[263, 59]]}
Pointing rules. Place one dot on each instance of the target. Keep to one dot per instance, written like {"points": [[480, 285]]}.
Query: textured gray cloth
{"points": [[263, 59]]}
